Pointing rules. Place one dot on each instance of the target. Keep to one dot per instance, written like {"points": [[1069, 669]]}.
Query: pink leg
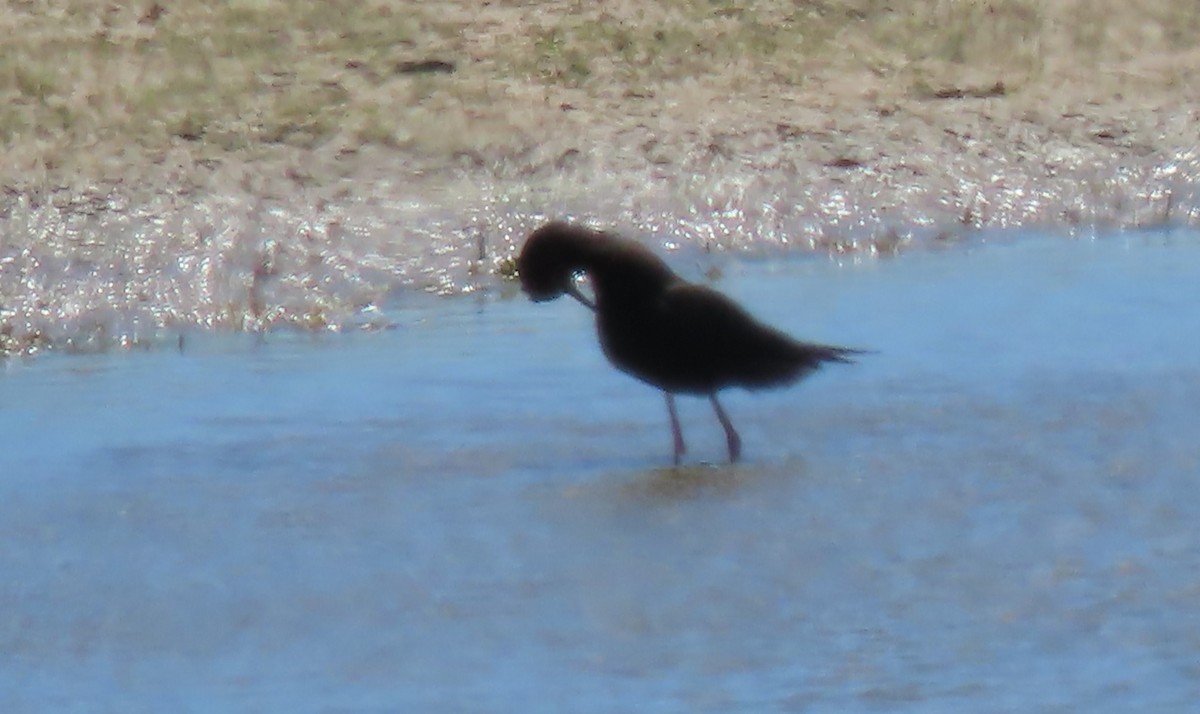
{"points": [[676, 432], [732, 440]]}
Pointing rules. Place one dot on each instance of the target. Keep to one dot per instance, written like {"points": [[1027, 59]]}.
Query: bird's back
{"points": [[693, 339]]}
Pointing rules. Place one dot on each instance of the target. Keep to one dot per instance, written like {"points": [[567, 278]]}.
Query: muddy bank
{"points": [[253, 249]]}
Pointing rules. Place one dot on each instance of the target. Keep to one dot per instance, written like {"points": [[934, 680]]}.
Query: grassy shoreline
{"points": [[152, 95], [262, 164]]}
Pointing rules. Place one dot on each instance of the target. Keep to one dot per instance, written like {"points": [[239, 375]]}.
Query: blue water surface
{"points": [[995, 511]]}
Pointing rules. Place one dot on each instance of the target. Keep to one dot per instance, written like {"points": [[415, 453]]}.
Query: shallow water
{"points": [[472, 512], [85, 273]]}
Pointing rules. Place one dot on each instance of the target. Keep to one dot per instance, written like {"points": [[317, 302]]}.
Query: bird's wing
{"points": [[695, 313], [702, 319]]}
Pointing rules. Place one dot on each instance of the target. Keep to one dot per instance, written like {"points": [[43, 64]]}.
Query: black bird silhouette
{"points": [[678, 336]]}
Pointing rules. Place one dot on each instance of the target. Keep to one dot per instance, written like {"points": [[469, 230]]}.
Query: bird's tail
{"points": [[829, 353]]}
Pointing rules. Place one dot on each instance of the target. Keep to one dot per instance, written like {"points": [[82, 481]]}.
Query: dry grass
{"points": [[91, 88]]}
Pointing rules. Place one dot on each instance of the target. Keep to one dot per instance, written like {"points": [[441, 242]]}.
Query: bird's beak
{"points": [[584, 300]]}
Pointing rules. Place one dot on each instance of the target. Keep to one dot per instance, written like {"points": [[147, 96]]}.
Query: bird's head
{"points": [[550, 261]]}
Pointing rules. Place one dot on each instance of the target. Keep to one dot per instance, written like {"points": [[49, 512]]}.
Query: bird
{"points": [[678, 336]]}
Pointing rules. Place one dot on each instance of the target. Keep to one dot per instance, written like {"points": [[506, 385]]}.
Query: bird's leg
{"points": [[732, 440], [676, 432]]}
